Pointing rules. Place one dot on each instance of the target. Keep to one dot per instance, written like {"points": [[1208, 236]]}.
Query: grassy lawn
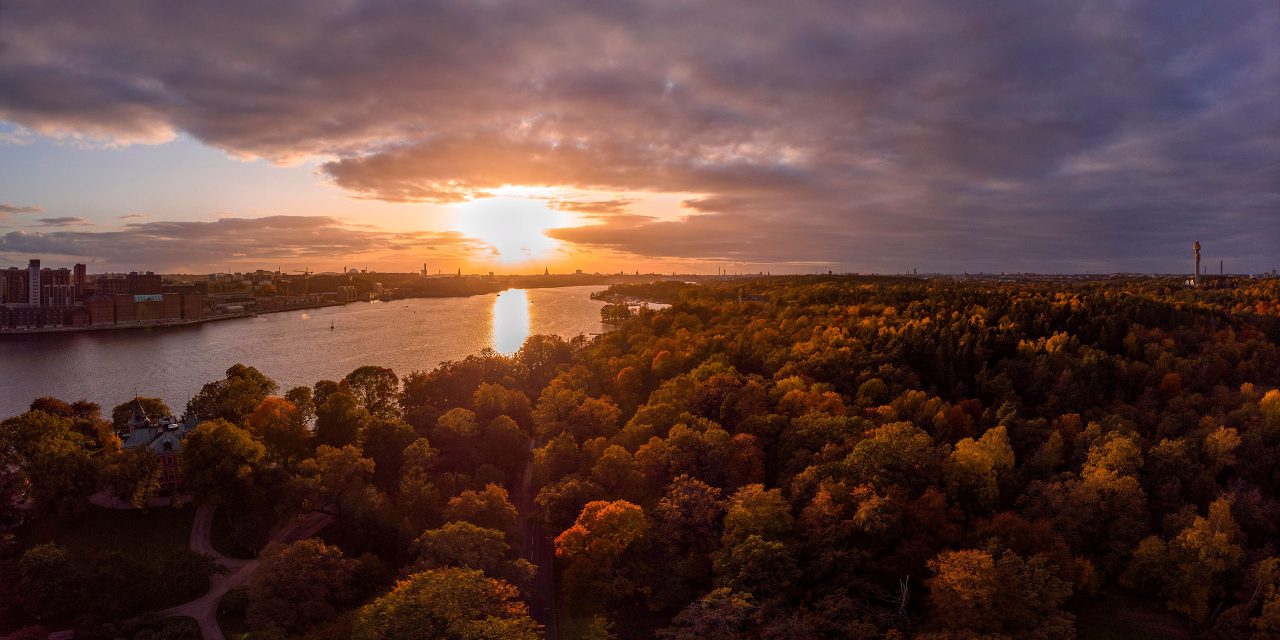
{"points": [[148, 536], [122, 563], [224, 540]]}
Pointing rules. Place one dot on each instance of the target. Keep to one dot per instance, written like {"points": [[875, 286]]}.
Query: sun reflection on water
{"points": [[510, 321]]}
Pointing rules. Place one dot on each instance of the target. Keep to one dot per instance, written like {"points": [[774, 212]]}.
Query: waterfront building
{"points": [[132, 283], [33, 282], [40, 297], [56, 288], [79, 279], [14, 286]]}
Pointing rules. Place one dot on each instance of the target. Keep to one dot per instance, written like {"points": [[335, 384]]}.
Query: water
{"points": [[293, 348]]}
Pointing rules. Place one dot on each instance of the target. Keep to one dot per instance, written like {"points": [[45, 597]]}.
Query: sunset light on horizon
{"points": [[652, 136]]}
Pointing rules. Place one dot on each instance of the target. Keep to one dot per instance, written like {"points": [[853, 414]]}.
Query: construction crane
{"points": [[306, 281]]}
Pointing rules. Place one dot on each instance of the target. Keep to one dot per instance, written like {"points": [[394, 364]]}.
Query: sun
{"points": [[515, 227]]}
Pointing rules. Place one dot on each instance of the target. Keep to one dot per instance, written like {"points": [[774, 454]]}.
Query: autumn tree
{"points": [[489, 508], [756, 511], [592, 549], [974, 468], [689, 514], [1000, 592], [280, 425], [719, 615], [299, 585], [447, 604], [1200, 555]]}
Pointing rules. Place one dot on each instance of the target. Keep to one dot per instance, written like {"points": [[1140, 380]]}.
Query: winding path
{"points": [[205, 608]]}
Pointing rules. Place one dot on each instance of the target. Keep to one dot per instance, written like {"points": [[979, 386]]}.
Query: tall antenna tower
{"points": [[1196, 280]]}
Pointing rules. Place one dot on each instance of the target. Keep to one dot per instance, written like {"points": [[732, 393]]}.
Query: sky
{"points": [[665, 135]]}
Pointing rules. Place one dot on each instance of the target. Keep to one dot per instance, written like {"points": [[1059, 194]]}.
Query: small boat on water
{"points": [[331, 325]]}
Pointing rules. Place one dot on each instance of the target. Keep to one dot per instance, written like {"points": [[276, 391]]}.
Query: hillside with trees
{"points": [[781, 458]]}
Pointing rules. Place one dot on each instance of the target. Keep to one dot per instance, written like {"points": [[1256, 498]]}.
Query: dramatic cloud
{"points": [[6, 209], [164, 245], [872, 136], [65, 221], [597, 208]]}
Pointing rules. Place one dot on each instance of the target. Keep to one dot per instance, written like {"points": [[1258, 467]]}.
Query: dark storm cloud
{"points": [[1030, 135], [163, 244]]}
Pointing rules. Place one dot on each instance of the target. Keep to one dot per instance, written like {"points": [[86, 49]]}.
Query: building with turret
{"points": [[163, 436]]}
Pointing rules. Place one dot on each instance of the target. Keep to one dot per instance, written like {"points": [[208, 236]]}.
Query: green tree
{"points": [[897, 453], [763, 568], [42, 458], [46, 582], [448, 604], [493, 400], [234, 397], [340, 420], [490, 508], [299, 585], [305, 401], [376, 388], [220, 463], [385, 440], [133, 475], [461, 544], [340, 479]]}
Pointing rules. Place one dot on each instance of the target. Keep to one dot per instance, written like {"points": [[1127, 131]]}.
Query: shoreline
{"points": [[250, 314], [166, 324]]}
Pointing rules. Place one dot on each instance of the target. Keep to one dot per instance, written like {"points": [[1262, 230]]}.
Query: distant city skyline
{"points": [[1023, 137]]}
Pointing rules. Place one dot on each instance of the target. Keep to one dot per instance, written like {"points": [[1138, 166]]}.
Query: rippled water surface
{"points": [[292, 348]]}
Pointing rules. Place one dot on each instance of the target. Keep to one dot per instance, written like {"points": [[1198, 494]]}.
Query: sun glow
{"points": [[510, 321], [515, 228]]}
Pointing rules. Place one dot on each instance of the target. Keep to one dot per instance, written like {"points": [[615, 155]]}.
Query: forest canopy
{"points": [[772, 458]]}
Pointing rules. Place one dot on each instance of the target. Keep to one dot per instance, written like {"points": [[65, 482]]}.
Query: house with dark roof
{"points": [[163, 436]]}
